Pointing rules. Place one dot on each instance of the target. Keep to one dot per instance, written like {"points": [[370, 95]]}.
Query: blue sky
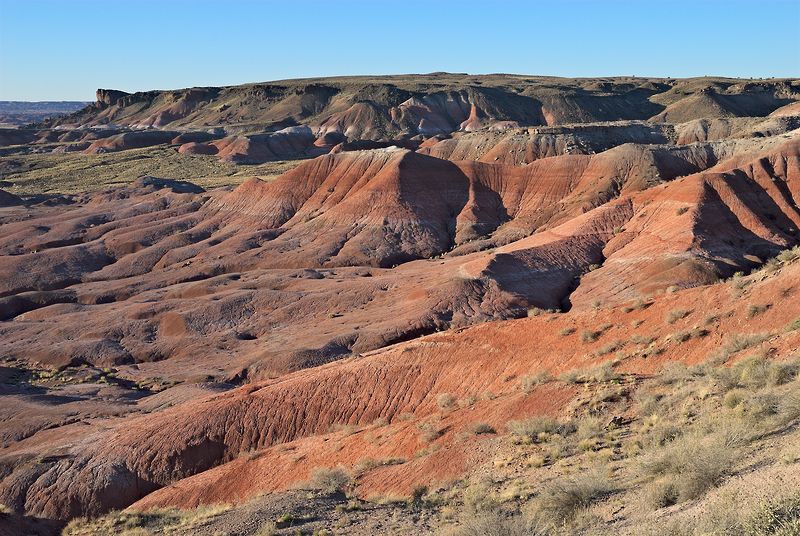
{"points": [[64, 50]]}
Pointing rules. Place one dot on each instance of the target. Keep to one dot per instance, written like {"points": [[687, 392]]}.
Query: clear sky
{"points": [[65, 49]]}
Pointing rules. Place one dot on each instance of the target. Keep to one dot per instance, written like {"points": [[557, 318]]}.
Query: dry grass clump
{"points": [[497, 524], [539, 429], [636, 306], [687, 468], [561, 500], [445, 400], [567, 331], [529, 381], [590, 335], [754, 310], [788, 255], [729, 514], [756, 372], [601, 373], [642, 340], [794, 325], [364, 465], [736, 344], [467, 401], [482, 428], [675, 315], [778, 516], [430, 430], [610, 348], [330, 480]]}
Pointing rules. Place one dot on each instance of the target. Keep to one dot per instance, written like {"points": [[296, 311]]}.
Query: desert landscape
{"points": [[442, 303]]}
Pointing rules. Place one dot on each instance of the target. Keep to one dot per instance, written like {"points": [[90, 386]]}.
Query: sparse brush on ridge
{"points": [[152, 521]]}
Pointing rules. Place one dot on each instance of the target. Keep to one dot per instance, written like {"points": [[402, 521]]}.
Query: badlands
{"points": [[412, 304]]}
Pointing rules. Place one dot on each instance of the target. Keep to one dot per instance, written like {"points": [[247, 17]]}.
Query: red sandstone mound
{"points": [[130, 140], [792, 109]]}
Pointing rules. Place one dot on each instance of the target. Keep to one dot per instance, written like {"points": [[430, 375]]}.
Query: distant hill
{"points": [[404, 106], [18, 113]]}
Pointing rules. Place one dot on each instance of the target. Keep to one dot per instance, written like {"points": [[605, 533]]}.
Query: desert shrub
{"points": [[680, 337], [430, 431], [330, 480], [738, 281], [660, 432], [602, 373], [482, 428], [794, 325], [789, 407], [661, 493], [642, 340], [562, 499], [570, 330], [761, 406], [609, 348], [635, 306], [365, 465], [743, 342], [693, 463], [570, 376], [783, 371], [528, 382], [535, 311], [779, 517], [647, 403], [539, 428], [589, 433], [153, 521], [752, 372], [497, 524], [734, 398], [736, 344], [754, 310], [589, 335], [445, 400], [675, 315], [788, 255], [467, 401], [682, 210]]}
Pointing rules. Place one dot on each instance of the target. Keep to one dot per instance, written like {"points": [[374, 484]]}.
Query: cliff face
{"points": [[109, 97]]}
